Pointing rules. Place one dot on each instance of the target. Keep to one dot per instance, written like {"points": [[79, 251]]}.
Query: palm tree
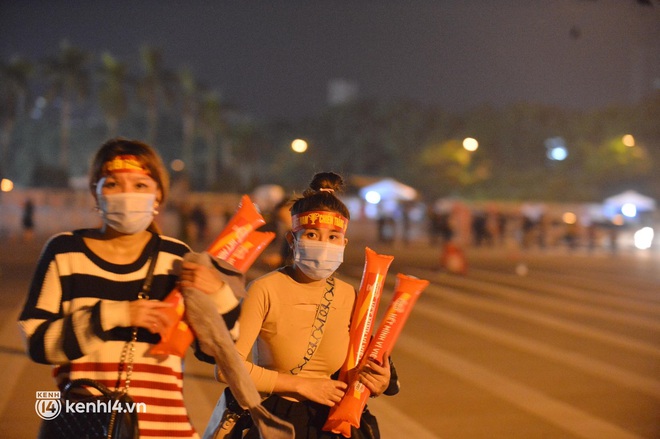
{"points": [[13, 94], [112, 96], [189, 89], [250, 143], [212, 127], [154, 88], [69, 81]]}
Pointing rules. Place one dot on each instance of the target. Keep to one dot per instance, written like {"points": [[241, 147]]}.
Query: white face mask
{"points": [[317, 259], [127, 212]]}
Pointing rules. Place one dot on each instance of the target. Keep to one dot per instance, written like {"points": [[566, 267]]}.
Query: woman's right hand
{"points": [[321, 390], [150, 314]]}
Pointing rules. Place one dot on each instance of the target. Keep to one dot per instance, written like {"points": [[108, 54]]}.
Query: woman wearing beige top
{"points": [[295, 320]]}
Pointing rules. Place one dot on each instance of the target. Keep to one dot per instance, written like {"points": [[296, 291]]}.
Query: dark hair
{"points": [[315, 198], [146, 153]]}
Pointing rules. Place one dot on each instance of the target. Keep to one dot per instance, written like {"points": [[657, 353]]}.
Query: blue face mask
{"points": [[317, 259]]}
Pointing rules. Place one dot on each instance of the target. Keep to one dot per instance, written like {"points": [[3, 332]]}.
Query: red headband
{"points": [[319, 220], [125, 163]]}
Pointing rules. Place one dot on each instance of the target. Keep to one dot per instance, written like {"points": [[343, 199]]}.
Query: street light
{"points": [[629, 210], [558, 153], [643, 238], [470, 144], [299, 146], [6, 185], [556, 149], [628, 140], [177, 165], [372, 197]]}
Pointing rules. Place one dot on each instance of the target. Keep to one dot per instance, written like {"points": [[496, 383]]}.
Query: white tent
{"points": [[612, 205], [390, 190], [267, 196]]}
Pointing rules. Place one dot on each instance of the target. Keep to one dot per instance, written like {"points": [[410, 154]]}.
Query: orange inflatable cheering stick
{"points": [[246, 219], [239, 244], [247, 251], [362, 322], [407, 291]]}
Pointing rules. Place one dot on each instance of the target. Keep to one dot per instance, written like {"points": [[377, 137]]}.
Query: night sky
{"points": [[275, 58]]}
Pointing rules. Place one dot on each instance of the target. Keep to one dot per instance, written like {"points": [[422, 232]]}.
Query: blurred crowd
{"points": [[474, 227], [197, 220]]}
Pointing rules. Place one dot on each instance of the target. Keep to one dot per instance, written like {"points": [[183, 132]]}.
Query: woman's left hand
{"points": [[376, 377], [200, 277]]}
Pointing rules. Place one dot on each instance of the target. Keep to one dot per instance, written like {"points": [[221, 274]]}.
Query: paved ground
{"points": [[526, 345]]}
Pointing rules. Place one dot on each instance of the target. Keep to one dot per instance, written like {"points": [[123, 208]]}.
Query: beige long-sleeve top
{"points": [[279, 319]]}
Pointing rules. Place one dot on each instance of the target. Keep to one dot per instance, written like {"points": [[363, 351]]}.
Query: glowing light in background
{"points": [[372, 197], [643, 238], [618, 220], [470, 144], [177, 165], [299, 146], [6, 185], [556, 149], [559, 153], [628, 140], [569, 218], [629, 210]]}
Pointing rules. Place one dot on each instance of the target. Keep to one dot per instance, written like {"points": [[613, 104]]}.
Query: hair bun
{"points": [[327, 182], [322, 195]]}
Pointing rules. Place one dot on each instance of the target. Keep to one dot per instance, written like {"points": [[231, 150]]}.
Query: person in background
{"points": [[27, 220], [295, 320], [280, 224], [83, 302], [199, 219]]}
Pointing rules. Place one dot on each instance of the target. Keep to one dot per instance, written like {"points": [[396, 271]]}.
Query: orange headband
{"points": [[125, 163], [319, 220]]}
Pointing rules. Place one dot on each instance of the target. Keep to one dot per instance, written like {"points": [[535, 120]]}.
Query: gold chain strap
{"points": [[128, 352], [320, 318]]}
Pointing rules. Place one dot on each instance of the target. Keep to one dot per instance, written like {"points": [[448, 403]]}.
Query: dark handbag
{"points": [[368, 428], [235, 419], [113, 414]]}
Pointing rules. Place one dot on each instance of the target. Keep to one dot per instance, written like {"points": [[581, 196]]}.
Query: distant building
{"points": [[342, 91]]}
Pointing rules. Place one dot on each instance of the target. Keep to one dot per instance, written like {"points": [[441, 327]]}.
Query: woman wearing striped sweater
{"points": [[83, 301]]}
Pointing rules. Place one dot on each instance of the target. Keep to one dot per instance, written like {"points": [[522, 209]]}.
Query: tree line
{"points": [[55, 112]]}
